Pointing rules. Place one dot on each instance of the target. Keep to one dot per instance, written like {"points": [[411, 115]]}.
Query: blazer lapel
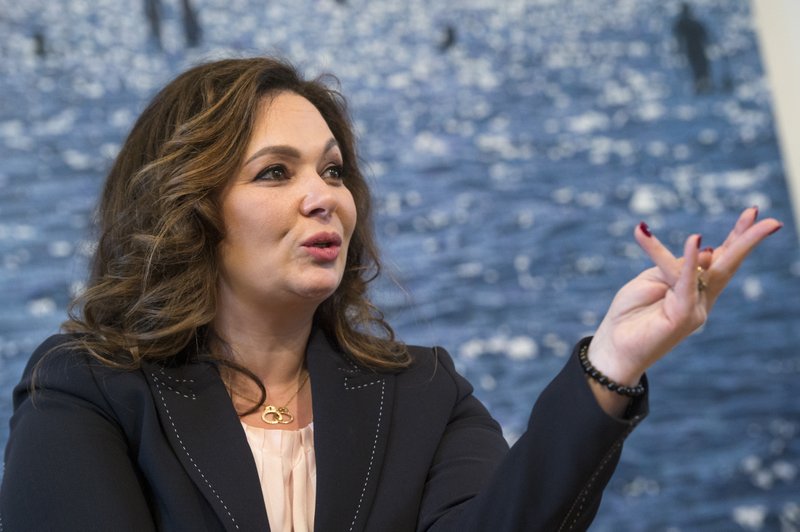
{"points": [[199, 420], [352, 408]]}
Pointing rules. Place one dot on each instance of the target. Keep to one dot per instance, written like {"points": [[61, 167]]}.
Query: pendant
{"points": [[273, 415]]}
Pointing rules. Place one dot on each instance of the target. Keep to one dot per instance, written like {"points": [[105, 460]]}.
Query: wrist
{"points": [[607, 362], [597, 377]]}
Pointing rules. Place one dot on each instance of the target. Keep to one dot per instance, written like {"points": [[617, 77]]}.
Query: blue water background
{"points": [[509, 173]]}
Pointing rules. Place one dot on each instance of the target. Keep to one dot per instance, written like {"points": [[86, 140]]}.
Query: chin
{"points": [[317, 284], [319, 292]]}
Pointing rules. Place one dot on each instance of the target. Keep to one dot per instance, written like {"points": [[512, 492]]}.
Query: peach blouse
{"points": [[288, 471]]}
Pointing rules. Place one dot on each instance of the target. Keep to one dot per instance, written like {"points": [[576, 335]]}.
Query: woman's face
{"points": [[288, 214]]}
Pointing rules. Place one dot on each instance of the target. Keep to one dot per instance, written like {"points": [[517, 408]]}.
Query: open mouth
{"points": [[324, 247], [323, 240]]}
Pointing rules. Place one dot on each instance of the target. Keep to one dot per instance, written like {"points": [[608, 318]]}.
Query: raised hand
{"points": [[661, 306]]}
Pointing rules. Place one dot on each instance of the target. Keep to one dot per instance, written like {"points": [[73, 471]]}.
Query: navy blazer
{"points": [[161, 448]]}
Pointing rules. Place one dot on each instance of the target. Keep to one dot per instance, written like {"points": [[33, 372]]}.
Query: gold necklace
{"points": [[274, 415]]}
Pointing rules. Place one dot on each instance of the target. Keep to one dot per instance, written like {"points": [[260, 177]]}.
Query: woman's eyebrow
{"points": [[288, 151], [330, 145]]}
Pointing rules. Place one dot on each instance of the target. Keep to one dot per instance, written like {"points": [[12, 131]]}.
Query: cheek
{"points": [[349, 214], [255, 219]]}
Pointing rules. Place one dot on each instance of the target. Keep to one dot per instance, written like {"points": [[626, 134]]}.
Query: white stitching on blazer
{"points": [[360, 386], [173, 379], [374, 446], [584, 492], [159, 385]]}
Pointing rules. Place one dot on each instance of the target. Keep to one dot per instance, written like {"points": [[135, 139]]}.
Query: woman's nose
{"points": [[318, 197]]}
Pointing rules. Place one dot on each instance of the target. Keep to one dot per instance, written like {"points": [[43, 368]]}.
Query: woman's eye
{"points": [[334, 172], [271, 173]]}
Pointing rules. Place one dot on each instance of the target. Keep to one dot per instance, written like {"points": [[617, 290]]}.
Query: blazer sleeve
{"points": [[67, 464], [551, 479]]}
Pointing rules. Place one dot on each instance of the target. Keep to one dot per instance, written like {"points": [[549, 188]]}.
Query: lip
{"points": [[323, 246], [331, 239]]}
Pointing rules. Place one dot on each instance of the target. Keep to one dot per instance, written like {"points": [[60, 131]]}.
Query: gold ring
{"points": [[701, 284]]}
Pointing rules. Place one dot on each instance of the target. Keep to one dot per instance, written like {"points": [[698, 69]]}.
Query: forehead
{"points": [[288, 116]]}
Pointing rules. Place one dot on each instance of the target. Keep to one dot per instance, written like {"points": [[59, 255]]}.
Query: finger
{"points": [[741, 245], [686, 287], [658, 253], [705, 257], [745, 221]]}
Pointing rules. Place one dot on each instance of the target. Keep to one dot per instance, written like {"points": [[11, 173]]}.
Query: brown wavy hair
{"points": [[152, 289]]}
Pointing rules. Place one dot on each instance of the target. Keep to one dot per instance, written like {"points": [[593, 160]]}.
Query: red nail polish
{"points": [[709, 249], [775, 230], [755, 215], [699, 240], [645, 229]]}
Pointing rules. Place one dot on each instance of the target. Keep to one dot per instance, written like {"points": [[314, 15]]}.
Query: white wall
{"points": [[778, 26]]}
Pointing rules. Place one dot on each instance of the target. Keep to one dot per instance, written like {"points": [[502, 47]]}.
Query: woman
{"points": [[225, 369]]}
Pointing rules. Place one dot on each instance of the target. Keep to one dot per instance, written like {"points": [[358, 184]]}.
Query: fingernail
{"points": [[755, 215], [699, 240], [709, 249], [645, 229], [775, 230]]}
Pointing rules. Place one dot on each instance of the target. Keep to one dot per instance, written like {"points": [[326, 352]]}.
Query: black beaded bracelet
{"points": [[594, 373]]}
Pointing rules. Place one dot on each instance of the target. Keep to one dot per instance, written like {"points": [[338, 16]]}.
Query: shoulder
{"points": [[62, 358], [430, 358], [61, 367], [434, 366], [57, 359]]}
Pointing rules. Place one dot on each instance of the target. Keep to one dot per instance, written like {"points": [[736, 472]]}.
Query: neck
{"points": [[270, 344]]}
